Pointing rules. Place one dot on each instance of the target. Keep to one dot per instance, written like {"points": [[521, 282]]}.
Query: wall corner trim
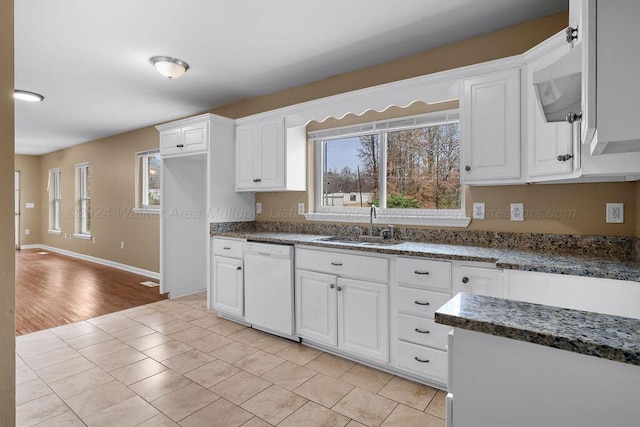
{"points": [[118, 265]]}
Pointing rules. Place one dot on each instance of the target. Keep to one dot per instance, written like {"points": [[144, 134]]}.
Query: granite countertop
{"points": [[547, 262], [600, 335]]}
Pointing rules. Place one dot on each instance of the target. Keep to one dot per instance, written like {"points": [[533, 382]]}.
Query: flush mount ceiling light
{"points": [[171, 68], [25, 95]]}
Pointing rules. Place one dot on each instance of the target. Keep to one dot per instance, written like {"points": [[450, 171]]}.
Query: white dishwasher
{"points": [[268, 288]]}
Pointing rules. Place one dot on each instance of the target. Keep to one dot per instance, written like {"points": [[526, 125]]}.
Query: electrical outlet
{"points": [[121, 245], [478, 211], [300, 208], [517, 211], [93, 239], [615, 213], [258, 208], [27, 231]]}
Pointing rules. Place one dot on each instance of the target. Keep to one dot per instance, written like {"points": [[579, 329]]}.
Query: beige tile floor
{"points": [[175, 363]]}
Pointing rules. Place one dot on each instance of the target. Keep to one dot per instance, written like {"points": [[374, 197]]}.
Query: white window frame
{"points": [[82, 200], [142, 183], [55, 201], [432, 217]]}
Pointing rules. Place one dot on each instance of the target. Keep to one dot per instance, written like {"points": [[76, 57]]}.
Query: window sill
{"points": [[150, 211], [82, 236], [446, 219], [56, 232]]}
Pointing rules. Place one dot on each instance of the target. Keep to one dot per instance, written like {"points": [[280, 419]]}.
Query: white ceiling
{"points": [[90, 59]]}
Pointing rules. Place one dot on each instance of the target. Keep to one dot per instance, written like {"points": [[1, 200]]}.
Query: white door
{"points": [[16, 187], [170, 141], [228, 286], [490, 119], [246, 156], [546, 141], [363, 318], [271, 155], [479, 281], [316, 307], [195, 137]]}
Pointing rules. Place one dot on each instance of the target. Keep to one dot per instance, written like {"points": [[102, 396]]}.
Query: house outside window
{"points": [[54, 201], [409, 167], [148, 181], [83, 200]]}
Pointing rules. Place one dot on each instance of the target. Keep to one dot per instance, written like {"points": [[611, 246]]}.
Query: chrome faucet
{"points": [[372, 214]]}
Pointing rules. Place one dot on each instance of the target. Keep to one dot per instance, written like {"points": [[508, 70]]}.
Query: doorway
{"points": [[16, 187]]}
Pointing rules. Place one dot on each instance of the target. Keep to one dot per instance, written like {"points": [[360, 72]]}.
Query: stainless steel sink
{"points": [[360, 242]]}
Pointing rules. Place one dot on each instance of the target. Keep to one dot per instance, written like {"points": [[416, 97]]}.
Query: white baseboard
{"points": [[102, 261]]}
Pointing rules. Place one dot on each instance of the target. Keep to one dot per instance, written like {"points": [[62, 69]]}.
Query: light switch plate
{"points": [[29, 205], [300, 208], [615, 213], [478, 211], [258, 208], [517, 211]]}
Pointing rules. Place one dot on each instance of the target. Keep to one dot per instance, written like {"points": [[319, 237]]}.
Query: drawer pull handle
{"points": [[337, 264], [421, 272], [421, 360], [422, 303], [226, 248], [420, 331]]}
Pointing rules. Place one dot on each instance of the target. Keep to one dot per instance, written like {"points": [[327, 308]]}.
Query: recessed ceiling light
{"points": [[171, 68], [25, 95]]}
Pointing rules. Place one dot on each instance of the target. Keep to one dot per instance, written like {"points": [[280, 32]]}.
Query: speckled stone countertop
{"points": [[578, 265], [600, 335]]}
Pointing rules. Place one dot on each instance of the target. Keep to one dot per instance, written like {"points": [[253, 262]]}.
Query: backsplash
{"points": [[618, 247]]}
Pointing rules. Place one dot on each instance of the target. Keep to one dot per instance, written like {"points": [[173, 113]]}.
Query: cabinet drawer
{"points": [[422, 361], [344, 265], [424, 273], [420, 302], [419, 330], [227, 247]]}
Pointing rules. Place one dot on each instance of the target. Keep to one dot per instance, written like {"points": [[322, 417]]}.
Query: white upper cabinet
{"points": [[490, 119], [270, 157], [191, 138], [553, 149]]}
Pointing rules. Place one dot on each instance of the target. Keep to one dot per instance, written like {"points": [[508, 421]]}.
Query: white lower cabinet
{"points": [[339, 304], [227, 277]]}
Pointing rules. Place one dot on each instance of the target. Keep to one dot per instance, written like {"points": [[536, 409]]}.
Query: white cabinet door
{"points": [[246, 157], [170, 141], [477, 280], [490, 118], [271, 155], [316, 307], [228, 286], [547, 141], [195, 137], [363, 319]]}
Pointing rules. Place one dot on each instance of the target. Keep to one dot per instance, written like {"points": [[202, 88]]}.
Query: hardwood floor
{"points": [[53, 290]]}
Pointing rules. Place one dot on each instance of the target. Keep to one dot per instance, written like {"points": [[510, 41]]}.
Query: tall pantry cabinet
{"points": [[197, 188]]}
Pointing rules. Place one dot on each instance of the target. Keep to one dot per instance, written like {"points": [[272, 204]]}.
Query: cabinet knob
{"points": [[572, 34], [564, 158], [465, 280], [238, 268], [180, 145], [339, 288], [257, 180], [331, 286], [574, 117], [467, 168]]}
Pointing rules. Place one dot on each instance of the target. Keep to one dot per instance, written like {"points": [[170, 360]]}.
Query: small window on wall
{"points": [[53, 188], [83, 200], [148, 181]]}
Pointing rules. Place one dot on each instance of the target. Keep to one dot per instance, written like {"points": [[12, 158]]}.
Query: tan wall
{"points": [[30, 190], [7, 249], [113, 176]]}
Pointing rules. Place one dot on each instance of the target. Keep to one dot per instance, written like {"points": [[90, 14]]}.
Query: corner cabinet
{"points": [[490, 119], [270, 157]]}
